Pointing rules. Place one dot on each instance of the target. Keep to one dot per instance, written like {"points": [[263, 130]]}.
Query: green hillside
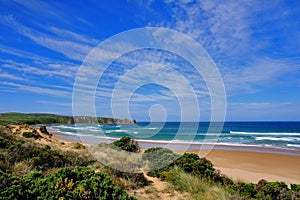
{"points": [[40, 118]]}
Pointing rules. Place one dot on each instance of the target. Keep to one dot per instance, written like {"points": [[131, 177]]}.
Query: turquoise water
{"points": [[283, 135]]}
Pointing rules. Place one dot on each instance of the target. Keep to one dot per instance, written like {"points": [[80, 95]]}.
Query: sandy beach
{"points": [[254, 166], [249, 164]]}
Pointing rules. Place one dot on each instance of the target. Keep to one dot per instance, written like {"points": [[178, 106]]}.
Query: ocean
{"points": [[278, 135]]}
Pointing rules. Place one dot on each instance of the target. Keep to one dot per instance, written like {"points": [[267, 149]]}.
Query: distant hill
{"points": [[40, 118]]}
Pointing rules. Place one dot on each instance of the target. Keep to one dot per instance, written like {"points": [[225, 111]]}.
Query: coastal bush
{"points": [[160, 160], [8, 139], [295, 187], [154, 152], [247, 189], [187, 172], [126, 143], [163, 163], [264, 190], [40, 157], [132, 180], [78, 183], [30, 135], [192, 163], [275, 189], [77, 145]]}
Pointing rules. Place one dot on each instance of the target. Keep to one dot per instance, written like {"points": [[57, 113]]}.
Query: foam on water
{"points": [[263, 133], [277, 139], [281, 135]]}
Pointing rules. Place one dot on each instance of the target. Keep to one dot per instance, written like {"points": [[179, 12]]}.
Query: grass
{"points": [[197, 187], [125, 167], [189, 174], [118, 159]]}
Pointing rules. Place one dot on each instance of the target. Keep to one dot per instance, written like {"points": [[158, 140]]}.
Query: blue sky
{"points": [[255, 45]]}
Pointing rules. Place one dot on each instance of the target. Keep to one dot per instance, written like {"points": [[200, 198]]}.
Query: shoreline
{"points": [[249, 164], [178, 146]]}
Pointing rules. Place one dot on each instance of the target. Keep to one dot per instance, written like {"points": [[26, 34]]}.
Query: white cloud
{"points": [[4, 75], [265, 72], [225, 29], [71, 49], [22, 54], [55, 103], [63, 33], [57, 70], [15, 87], [42, 8]]}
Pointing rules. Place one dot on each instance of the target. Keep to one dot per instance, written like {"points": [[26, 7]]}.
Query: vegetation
{"points": [[78, 183], [30, 135], [32, 171], [197, 176], [127, 144], [198, 188], [37, 157], [29, 170], [160, 160], [267, 190], [40, 118], [21, 118], [124, 165]]}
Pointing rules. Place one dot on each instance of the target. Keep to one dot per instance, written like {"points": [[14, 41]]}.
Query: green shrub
{"points": [[160, 160], [127, 144], [30, 135], [162, 164], [275, 188], [295, 187], [79, 183], [40, 157], [247, 189], [77, 145], [133, 180], [8, 139], [154, 152], [192, 163]]}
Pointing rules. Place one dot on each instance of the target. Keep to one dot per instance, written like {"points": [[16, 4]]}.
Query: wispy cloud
{"points": [[70, 48], [221, 27], [58, 70], [262, 73], [4, 75], [226, 29], [15, 87], [55, 103], [42, 8], [22, 54], [63, 33]]}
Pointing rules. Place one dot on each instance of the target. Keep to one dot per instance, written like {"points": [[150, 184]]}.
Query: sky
{"points": [[255, 46]]}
